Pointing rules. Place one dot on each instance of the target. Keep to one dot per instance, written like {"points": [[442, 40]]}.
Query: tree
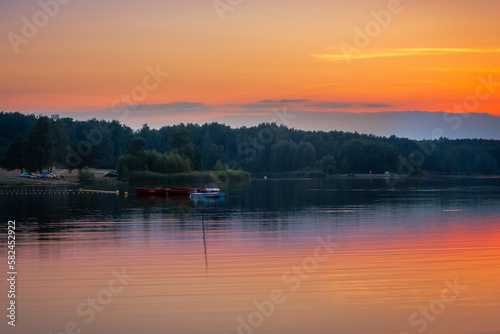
{"points": [[40, 151], [60, 138], [82, 155], [354, 154], [14, 155], [328, 165], [317, 142], [219, 166], [137, 146], [283, 156], [485, 163], [306, 155], [344, 166], [179, 139], [85, 175], [180, 143]]}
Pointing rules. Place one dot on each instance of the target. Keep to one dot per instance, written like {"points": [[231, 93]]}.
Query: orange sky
{"points": [[426, 55]]}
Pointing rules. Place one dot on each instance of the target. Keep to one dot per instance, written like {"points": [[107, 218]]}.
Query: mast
{"points": [[202, 158]]}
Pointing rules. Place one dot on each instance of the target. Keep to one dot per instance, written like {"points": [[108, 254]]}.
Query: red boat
{"points": [[181, 191], [189, 191], [151, 191]]}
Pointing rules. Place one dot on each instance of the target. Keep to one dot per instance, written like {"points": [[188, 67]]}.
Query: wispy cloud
{"points": [[180, 105], [266, 104], [458, 69], [338, 55], [331, 105], [285, 101], [255, 105], [376, 105], [343, 105]]}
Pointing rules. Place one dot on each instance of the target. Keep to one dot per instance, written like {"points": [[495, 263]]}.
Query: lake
{"points": [[274, 256]]}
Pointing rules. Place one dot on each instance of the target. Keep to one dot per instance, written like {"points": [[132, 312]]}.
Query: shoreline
{"points": [[12, 178]]}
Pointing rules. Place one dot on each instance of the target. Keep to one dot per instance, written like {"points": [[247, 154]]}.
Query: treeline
{"points": [[178, 160], [37, 143]]}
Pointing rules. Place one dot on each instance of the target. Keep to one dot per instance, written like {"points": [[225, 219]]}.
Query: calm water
{"points": [[307, 256]]}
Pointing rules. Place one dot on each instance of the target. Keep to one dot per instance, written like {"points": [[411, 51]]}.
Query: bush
{"points": [[166, 163], [233, 176], [86, 175], [219, 166], [328, 165], [130, 162]]}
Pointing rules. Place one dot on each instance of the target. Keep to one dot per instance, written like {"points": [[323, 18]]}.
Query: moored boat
{"points": [[181, 191], [188, 191], [207, 195]]}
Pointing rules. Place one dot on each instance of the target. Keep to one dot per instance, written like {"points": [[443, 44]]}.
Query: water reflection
{"points": [[397, 248]]}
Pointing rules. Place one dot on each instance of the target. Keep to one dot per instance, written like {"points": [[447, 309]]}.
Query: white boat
{"points": [[207, 195]]}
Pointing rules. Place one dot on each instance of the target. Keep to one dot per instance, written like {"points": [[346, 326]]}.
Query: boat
{"points": [[181, 191], [198, 195], [151, 191], [188, 191]]}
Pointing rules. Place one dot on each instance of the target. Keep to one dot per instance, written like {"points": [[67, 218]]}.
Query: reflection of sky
{"points": [[396, 250]]}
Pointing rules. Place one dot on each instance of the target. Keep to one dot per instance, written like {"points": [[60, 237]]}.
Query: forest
{"points": [[37, 143]]}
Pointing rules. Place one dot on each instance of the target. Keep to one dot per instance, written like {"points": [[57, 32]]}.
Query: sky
{"points": [[240, 62]]}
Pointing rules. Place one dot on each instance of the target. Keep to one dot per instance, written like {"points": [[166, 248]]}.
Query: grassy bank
{"points": [[63, 177]]}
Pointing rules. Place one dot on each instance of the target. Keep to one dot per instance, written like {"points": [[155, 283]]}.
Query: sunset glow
{"points": [[78, 58]]}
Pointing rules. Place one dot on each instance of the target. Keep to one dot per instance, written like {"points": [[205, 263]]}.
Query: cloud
{"points": [[267, 104], [331, 105], [171, 108], [181, 105], [366, 54], [255, 105], [285, 101], [344, 105], [458, 69], [376, 105]]}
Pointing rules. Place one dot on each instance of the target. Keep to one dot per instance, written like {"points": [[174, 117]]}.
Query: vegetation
{"points": [[37, 143], [219, 166], [85, 175], [328, 164], [140, 159]]}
